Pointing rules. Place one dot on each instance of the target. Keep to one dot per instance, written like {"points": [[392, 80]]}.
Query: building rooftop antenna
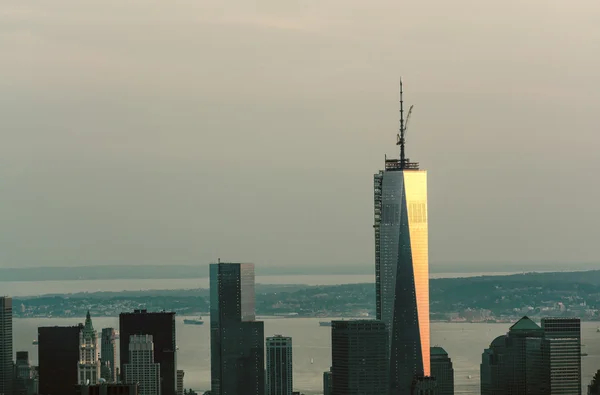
{"points": [[401, 138]]}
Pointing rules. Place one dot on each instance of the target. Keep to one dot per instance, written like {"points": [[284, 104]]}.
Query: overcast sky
{"points": [[153, 132]]}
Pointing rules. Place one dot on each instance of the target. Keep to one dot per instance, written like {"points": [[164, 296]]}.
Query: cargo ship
{"points": [[193, 321]]}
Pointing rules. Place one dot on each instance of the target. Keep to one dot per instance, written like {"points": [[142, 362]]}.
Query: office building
{"points": [[561, 348], [24, 382], [442, 371], [180, 374], [237, 340], [279, 365], [108, 389], [506, 363], [142, 368], [88, 368], [424, 385], [161, 326], [402, 264], [58, 358], [534, 360], [327, 383], [22, 366], [359, 357], [594, 387], [108, 355], [6, 346]]}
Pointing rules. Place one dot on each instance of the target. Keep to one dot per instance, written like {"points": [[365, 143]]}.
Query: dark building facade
{"points": [[506, 363], [108, 355], [237, 340], [442, 371], [279, 365], [424, 385], [327, 383], [402, 265], [108, 389], [534, 360], [58, 356], [359, 352], [6, 346], [24, 382], [161, 325]]}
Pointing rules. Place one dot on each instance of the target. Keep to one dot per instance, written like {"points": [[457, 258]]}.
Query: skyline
{"points": [[114, 155]]}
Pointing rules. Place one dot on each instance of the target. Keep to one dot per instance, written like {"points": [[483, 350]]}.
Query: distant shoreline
{"points": [[174, 272]]}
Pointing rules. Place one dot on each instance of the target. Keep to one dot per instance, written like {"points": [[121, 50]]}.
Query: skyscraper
{"points": [[236, 339], [279, 365], [442, 371], [534, 360], [506, 364], [359, 358], [24, 383], [6, 346], [108, 389], [327, 383], [402, 264], [180, 389], [141, 368], [561, 348], [424, 385], [88, 368], [58, 357], [162, 328], [108, 355]]}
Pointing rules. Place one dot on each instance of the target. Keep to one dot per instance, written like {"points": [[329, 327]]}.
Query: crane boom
{"points": [[407, 119]]}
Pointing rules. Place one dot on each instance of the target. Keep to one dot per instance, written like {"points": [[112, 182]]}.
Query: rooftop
{"points": [[438, 351], [525, 324]]}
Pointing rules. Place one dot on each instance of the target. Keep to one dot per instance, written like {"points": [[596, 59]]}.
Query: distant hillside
{"points": [[131, 272], [159, 272]]}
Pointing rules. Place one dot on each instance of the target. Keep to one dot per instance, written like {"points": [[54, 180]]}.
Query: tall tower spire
{"points": [[401, 137], [404, 162]]}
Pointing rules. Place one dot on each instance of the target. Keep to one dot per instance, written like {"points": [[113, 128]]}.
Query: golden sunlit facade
{"points": [[402, 270]]}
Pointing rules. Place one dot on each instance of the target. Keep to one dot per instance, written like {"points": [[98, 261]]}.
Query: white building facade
{"points": [[142, 369], [88, 367]]}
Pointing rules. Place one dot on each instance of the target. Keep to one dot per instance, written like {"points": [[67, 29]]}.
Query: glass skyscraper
{"points": [[442, 371], [6, 346], [534, 360], [358, 357], [402, 266], [108, 352], [279, 365], [561, 348], [236, 339]]}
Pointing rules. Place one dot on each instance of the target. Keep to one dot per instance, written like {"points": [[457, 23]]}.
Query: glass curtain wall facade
{"points": [[402, 270], [237, 340], [358, 357], [442, 371], [561, 348], [279, 365], [108, 352], [6, 346]]}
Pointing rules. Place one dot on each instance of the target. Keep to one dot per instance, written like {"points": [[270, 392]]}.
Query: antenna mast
{"points": [[401, 134]]}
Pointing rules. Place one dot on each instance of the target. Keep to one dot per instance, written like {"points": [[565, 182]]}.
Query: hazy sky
{"points": [[153, 132]]}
